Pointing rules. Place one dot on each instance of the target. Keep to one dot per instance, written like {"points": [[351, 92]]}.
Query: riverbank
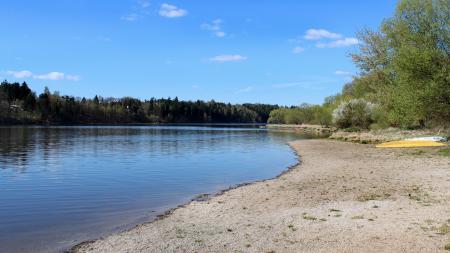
{"points": [[344, 197], [308, 129], [383, 135]]}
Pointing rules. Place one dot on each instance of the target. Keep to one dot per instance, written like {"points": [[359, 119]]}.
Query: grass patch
{"points": [[445, 152], [368, 197], [309, 217], [418, 152], [429, 221], [447, 246], [292, 227], [358, 217], [444, 229], [335, 210]]}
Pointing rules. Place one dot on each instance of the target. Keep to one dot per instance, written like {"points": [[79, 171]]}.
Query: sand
{"points": [[343, 197]]}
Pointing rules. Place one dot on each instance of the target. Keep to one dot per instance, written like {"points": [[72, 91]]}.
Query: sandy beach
{"points": [[342, 197]]}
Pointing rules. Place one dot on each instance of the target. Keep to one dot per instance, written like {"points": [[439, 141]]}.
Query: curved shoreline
{"points": [[199, 198], [342, 197]]}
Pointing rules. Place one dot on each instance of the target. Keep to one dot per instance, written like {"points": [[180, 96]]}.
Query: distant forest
{"points": [[20, 105]]}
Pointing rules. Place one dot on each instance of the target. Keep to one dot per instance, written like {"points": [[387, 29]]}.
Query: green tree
{"points": [[405, 65]]}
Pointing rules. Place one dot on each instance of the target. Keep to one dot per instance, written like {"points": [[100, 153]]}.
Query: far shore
{"points": [[342, 197]]}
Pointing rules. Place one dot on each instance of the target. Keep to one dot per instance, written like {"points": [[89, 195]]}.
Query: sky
{"points": [[261, 51]]}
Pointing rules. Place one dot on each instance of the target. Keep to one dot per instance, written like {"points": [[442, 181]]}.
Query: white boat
{"points": [[430, 138]]}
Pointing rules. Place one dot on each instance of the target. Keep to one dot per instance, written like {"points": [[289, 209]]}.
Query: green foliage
{"points": [[405, 66], [310, 114], [445, 152]]}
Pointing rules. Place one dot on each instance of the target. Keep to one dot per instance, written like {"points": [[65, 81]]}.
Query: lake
{"points": [[60, 186]]}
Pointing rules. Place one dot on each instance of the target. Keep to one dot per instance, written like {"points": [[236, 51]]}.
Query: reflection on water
{"points": [[63, 185]]}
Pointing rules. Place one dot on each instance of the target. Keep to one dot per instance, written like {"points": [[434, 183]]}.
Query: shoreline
{"points": [[287, 214], [198, 198]]}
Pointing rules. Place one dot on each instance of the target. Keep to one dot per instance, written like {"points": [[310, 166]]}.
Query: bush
{"points": [[277, 116], [308, 114], [356, 113]]}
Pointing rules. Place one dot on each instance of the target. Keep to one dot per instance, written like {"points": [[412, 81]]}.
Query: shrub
{"points": [[356, 113]]}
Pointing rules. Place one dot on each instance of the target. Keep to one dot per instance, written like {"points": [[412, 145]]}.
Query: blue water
{"points": [[63, 185]]}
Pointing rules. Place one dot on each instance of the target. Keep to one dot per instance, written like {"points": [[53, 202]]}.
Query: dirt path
{"points": [[344, 197]]}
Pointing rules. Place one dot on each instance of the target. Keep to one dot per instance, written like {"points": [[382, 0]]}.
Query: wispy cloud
{"points": [[338, 43], [325, 39], [245, 90], [228, 58], [297, 50], [317, 34], [215, 27], [171, 11], [195, 87], [19, 74], [139, 10], [348, 76], [53, 76], [342, 73]]}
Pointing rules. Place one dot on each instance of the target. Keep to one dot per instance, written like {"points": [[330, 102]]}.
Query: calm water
{"points": [[63, 185]]}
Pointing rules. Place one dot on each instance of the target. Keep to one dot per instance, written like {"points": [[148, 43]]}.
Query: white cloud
{"points": [[228, 58], [297, 50], [338, 43], [342, 73], [54, 76], [195, 87], [317, 34], [215, 27], [245, 90], [19, 74], [171, 11]]}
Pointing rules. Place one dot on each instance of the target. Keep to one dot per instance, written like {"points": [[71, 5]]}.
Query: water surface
{"points": [[63, 185]]}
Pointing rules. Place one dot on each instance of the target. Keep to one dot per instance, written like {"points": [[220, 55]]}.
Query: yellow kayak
{"points": [[410, 144]]}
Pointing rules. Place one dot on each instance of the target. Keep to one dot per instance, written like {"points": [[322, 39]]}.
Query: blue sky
{"points": [[285, 52]]}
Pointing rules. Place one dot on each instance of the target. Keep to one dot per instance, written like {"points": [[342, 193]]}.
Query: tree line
{"points": [[19, 104], [404, 78]]}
